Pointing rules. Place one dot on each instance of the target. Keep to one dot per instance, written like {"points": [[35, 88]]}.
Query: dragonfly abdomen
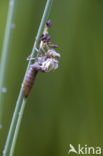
{"points": [[29, 81]]}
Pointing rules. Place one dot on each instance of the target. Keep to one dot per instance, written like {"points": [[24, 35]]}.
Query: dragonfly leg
{"points": [[35, 58], [38, 51], [31, 59]]}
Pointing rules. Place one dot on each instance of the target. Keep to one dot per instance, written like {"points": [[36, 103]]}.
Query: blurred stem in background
{"points": [[18, 112], [5, 52]]}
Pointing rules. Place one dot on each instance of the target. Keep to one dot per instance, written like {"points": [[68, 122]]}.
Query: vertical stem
{"points": [[5, 51], [18, 104], [20, 115]]}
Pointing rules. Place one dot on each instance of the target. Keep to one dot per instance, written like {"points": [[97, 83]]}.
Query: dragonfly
{"points": [[45, 63]]}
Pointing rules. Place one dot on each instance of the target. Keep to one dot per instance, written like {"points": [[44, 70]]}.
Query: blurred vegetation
{"points": [[64, 106]]}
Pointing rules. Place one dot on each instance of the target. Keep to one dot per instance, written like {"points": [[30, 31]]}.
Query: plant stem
{"points": [[5, 51], [18, 104], [20, 115]]}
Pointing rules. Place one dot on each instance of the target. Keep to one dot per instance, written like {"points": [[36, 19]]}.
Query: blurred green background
{"points": [[66, 106]]}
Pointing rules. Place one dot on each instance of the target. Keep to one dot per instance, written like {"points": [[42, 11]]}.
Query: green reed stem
{"points": [[5, 51], [11, 136], [20, 115]]}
